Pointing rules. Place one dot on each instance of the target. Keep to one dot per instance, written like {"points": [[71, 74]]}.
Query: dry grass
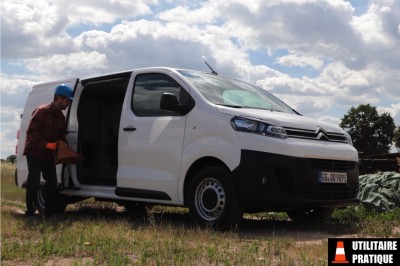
{"points": [[92, 233]]}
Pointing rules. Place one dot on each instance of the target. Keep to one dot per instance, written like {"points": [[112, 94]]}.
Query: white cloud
{"points": [[31, 27], [300, 60], [293, 25], [99, 12], [10, 118], [184, 15], [340, 76], [368, 85], [14, 85], [356, 58], [369, 26], [330, 119], [60, 66], [41, 27], [14, 91], [145, 43], [393, 110]]}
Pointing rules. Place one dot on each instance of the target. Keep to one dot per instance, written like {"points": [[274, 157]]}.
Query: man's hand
{"points": [[51, 146]]}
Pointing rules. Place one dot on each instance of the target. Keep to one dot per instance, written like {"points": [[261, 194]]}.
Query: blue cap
{"points": [[64, 90]]}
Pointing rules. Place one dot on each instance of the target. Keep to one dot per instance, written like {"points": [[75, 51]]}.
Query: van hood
{"points": [[281, 119]]}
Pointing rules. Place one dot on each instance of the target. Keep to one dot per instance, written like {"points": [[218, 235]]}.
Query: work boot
{"points": [[29, 213]]}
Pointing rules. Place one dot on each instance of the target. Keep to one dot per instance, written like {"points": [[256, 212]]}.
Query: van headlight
{"points": [[257, 127]]}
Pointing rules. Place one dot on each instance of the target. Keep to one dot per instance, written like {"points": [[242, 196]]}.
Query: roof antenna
{"points": [[212, 70]]}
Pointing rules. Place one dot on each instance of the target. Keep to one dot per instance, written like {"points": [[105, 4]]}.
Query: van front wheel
{"points": [[212, 199]]}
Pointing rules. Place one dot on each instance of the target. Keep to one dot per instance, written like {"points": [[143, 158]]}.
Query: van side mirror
{"points": [[170, 102]]}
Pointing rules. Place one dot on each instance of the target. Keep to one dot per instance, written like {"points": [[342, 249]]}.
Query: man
{"points": [[47, 125]]}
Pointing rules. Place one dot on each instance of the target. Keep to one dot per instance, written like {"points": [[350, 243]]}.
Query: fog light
{"points": [[264, 180]]}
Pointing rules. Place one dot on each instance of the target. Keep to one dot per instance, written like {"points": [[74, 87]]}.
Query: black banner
{"points": [[364, 251]]}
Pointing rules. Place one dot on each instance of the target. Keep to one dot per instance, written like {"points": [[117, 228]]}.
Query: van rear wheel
{"points": [[59, 205], [212, 199], [310, 216], [40, 202]]}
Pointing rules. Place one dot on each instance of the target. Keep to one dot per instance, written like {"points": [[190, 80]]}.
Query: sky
{"points": [[319, 56]]}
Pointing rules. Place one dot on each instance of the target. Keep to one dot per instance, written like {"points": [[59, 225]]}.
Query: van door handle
{"points": [[129, 129]]}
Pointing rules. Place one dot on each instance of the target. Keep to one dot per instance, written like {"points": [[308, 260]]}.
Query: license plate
{"points": [[332, 177]]}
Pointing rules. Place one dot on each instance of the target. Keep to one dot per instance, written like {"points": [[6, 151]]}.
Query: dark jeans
{"points": [[36, 167]]}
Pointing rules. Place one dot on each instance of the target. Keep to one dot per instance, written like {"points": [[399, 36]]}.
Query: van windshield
{"points": [[234, 93]]}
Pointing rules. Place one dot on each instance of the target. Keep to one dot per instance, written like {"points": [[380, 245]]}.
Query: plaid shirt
{"points": [[47, 125]]}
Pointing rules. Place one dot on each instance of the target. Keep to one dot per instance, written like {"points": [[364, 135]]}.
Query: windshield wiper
{"points": [[229, 105]]}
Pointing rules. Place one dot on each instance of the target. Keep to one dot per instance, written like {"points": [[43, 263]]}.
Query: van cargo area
{"points": [[99, 113]]}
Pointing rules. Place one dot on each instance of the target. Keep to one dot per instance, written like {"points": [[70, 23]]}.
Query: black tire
{"points": [[59, 205], [310, 216], [212, 199], [40, 202]]}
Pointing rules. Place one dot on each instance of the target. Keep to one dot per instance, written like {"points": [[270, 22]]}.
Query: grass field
{"points": [[93, 233]]}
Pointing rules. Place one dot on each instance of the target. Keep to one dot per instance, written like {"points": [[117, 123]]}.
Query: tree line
{"points": [[372, 134]]}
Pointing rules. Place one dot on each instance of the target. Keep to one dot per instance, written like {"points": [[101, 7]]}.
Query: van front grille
{"points": [[333, 165], [318, 134], [308, 188]]}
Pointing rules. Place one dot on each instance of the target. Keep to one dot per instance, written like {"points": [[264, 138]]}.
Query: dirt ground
{"points": [[251, 228]]}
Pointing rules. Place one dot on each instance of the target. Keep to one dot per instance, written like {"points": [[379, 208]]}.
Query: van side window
{"points": [[147, 93]]}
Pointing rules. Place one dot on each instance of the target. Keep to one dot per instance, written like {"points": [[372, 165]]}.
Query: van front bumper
{"points": [[266, 181]]}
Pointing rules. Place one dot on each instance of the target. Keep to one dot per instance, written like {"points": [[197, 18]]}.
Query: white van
{"points": [[217, 145]]}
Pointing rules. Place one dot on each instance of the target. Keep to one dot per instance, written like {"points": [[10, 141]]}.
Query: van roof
{"points": [[125, 74], [120, 74]]}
